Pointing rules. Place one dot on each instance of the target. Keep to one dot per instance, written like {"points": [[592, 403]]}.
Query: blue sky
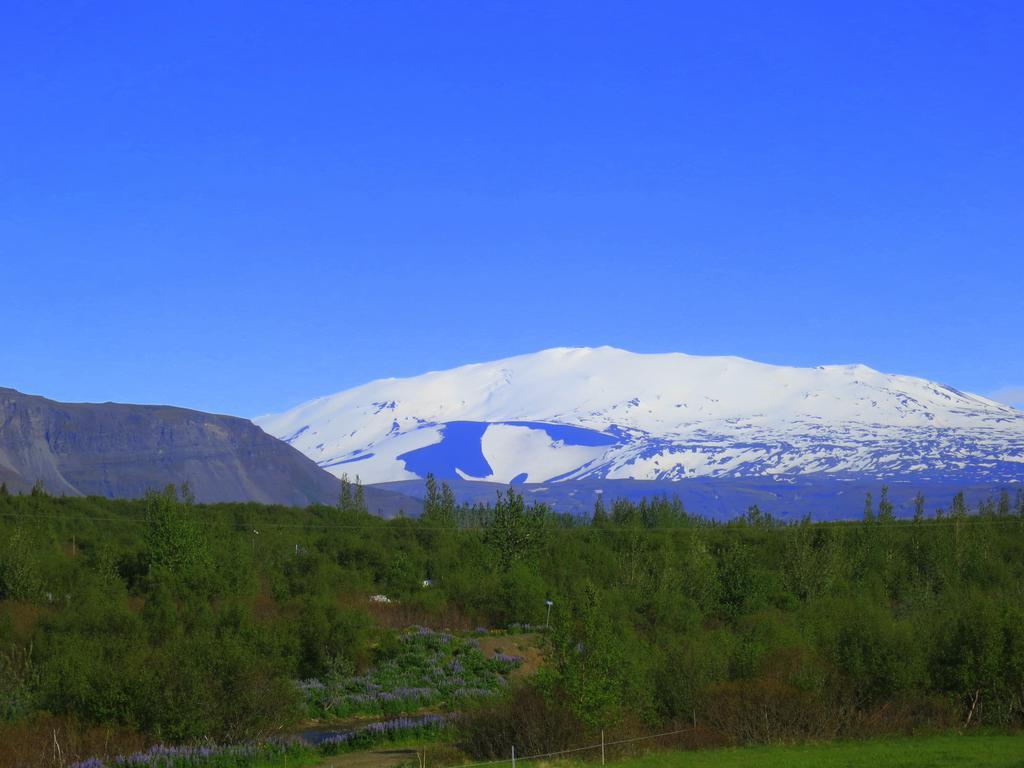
{"points": [[239, 206]]}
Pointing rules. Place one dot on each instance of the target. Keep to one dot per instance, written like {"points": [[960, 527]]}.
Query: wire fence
{"points": [[603, 745]]}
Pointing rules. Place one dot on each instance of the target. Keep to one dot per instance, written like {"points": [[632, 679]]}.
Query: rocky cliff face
{"points": [[118, 450]]}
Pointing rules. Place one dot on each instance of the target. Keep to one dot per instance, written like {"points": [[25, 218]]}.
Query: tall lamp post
{"points": [[547, 621]]}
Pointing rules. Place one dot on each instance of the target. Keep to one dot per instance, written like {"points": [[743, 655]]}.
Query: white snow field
{"points": [[603, 412]]}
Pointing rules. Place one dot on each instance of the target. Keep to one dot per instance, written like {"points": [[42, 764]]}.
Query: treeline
{"points": [[182, 621]]}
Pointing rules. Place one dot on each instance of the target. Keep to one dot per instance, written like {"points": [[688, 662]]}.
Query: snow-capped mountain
{"points": [[573, 413]]}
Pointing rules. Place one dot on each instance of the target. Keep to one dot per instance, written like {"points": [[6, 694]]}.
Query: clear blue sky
{"points": [[239, 206]]}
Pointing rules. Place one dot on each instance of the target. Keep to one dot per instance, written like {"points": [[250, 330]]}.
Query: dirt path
{"points": [[527, 646], [381, 758]]}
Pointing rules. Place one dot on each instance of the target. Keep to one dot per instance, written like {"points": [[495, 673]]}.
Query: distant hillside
{"points": [[121, 451], [820, 497]]}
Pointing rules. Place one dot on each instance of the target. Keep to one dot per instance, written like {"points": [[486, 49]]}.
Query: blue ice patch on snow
{"points": [[459, 449], [295, 435], [364, 457]]}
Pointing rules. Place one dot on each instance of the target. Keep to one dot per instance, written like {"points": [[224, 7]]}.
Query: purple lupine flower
{"points": [[471, 693], [512, 661]]}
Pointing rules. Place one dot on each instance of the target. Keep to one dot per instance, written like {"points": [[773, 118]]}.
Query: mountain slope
{"points": [[606, 413], [820, 497], [124, 450]]}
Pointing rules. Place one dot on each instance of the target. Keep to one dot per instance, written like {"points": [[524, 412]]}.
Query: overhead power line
{"points": [[385, 524]]}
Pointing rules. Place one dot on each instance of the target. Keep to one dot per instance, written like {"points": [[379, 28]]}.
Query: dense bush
{"points": [[188, 622], [534, 723]]}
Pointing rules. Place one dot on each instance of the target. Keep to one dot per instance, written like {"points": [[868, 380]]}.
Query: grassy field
{"points": [[912, 752], [938, 751]]}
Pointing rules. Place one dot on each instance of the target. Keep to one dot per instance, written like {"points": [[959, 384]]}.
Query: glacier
{"points": [[606, 413]]}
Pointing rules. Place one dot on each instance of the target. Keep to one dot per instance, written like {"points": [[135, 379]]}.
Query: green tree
{"points": [[160, 615], [587, 662], [755, 518], [359, 498], [740, 589], [439, 505], [19, 681], [522, 596], [699, 573], [807, 567], [347, 498], [19, 568], [600, 517], [885, 508], [329, 636], [447, 504], [515, 532], [959, 509], [174, 540], [432, 502], [1004, 503]]}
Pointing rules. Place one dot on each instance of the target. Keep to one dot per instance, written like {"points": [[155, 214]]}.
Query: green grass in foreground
{"points": [[981, 751], [939, 751], [301, 761]]}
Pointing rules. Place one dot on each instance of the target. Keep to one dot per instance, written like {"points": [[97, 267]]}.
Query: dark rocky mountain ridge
{"points": [[122, 451]]}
